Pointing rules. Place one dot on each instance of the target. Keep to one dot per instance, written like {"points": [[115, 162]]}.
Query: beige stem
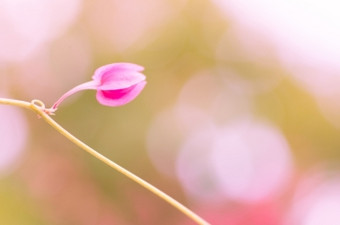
{"points": [[38, 107]]}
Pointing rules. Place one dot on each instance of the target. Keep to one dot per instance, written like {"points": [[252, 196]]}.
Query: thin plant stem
{"points": [[39, 107]]}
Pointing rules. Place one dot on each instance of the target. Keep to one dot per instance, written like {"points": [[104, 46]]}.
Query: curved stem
{"points": [[38, 107], [88, 85]]}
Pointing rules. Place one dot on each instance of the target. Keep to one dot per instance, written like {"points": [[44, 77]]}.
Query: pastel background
{"points": [[240, 119]]}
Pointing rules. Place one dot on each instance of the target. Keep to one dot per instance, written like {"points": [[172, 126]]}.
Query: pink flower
{"points": [[116, 84]]}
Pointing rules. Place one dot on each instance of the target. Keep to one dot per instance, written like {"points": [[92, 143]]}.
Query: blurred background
{"points": [[239, 120]]}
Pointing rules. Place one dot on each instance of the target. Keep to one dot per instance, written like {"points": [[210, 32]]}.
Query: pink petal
{"points": [[121, 79], [85, 86], [121, 96], [115, 67]]}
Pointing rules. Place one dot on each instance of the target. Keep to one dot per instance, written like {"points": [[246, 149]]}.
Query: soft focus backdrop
{"points": [[239, 120]]}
